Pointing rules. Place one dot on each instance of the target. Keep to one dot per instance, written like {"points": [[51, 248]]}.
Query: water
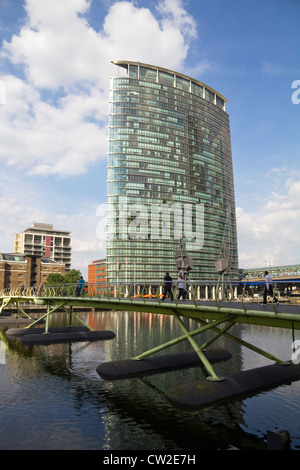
{"points": [[53, 398]]}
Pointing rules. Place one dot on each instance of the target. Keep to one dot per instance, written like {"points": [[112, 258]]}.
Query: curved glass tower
{"points": [[170, 187]]}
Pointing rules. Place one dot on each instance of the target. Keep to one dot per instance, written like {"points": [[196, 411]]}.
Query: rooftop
{"points": [[44, 228], [20, 257], [125, 63]]}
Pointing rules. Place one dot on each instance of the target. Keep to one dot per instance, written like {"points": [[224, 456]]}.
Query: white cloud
{"points": [[56, 46], [46, 139], [270, 235], [271, 70], [64, 130], [87, 228], [54, 120], [200, 68], [86, 224]]}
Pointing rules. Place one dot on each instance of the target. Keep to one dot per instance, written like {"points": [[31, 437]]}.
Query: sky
{"points": [[55, 66]]}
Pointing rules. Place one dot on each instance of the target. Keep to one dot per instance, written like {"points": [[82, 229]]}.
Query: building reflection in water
{"points": [[134, 413]]}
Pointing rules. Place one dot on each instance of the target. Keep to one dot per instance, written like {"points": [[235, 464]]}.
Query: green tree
{"points": [[54, 278], [72, 276]]}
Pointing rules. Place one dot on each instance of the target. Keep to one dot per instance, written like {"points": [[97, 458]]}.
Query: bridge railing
{"points": [[147, 290], [213, 290]]}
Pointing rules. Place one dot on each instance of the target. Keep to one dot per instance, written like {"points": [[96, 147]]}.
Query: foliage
{"points": [[70, 277], [54, 278]]}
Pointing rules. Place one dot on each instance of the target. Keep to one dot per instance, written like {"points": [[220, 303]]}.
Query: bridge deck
{"points": [[283, 316]]}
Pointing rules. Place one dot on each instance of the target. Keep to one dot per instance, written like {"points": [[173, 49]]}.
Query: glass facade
{"points": [[170, 176]]}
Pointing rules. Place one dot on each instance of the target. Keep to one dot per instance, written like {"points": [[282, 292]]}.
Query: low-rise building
{"points": [[97, 273], [17, 270]]}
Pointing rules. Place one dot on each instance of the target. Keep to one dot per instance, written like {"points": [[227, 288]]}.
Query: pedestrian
{"points": [[40, 288], [181, 284], [79, 287], [168, 286], [269, 289]]}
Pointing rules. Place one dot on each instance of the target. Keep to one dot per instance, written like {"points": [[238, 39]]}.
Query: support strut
{"points": [[206, 363]]}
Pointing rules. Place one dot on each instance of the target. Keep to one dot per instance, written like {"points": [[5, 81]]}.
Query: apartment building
{"points": [[45, 241]]}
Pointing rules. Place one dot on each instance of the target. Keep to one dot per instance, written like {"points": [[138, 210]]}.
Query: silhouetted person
{"points": [[168, 286]]}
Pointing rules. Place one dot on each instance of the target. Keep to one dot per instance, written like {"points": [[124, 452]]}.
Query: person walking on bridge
{"points": [[181, 284], [168, 287], [80, 286], [269, 289]]}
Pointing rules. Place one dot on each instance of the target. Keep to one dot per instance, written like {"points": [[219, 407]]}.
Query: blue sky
{"points": [[54, 78]]}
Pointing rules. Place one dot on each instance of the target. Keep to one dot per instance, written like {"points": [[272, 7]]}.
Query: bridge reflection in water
{"points": [[215, 306]]}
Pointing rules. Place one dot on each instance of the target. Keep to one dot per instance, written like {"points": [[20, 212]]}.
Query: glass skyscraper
{"points": [[170, 186]]}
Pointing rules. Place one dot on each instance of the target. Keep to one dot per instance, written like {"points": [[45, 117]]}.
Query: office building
{"points": [[170, 186], [44, 241], [97, 273]]}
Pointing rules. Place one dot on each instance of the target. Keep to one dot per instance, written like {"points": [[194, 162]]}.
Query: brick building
{"points": [[18, 270], [97, 273]]}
